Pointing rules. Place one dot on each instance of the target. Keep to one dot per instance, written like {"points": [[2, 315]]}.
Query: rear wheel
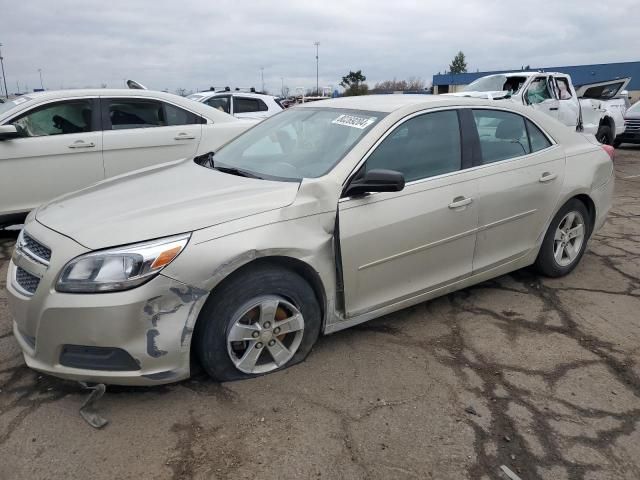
{"points": [[565, 240], [605, 135], [261, 321]]}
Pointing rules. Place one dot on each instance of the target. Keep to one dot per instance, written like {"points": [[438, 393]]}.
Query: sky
{"points": [[197, 44]]}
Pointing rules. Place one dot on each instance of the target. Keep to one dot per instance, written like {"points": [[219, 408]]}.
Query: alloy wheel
{"points": [[264, 334], [568, 238]]}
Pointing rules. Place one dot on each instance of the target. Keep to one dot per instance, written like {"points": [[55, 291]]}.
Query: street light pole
{"points": [[41, 84], [4, 77], [317, 44]]}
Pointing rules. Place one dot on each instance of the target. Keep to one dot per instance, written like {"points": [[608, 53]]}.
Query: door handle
{"points": [[547, 177], [81, 144], [460, 202], [553, 108], [184, 136]]}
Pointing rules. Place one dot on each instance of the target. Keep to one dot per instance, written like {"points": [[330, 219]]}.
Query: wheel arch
{"points": [[302, 268], [590, 205]]}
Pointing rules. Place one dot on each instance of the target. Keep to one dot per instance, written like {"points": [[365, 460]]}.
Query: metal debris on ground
{"points": [[87, 410], [509, 473]]}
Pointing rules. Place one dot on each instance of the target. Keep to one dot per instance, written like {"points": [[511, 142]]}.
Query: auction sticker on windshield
{"points": [[354, 121]]}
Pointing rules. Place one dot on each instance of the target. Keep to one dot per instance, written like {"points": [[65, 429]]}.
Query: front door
{"points": [[140, 132], [395, 246], [540, 96], [59, 151], [520, 174]]}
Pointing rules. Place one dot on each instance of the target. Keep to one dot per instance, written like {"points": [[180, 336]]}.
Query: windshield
{"points": [[5, 107], [297, 143], [496, 83]]}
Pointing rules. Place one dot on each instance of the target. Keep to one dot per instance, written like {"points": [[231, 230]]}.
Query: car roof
{"points": [[199, 108], [524, 74], [232, 92], [391, 103]]}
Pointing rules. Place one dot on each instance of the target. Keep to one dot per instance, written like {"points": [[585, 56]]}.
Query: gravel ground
{"points": [[540, 375]]}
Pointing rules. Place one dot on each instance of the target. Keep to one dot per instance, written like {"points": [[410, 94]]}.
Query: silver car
{"points": [[317, 219]]}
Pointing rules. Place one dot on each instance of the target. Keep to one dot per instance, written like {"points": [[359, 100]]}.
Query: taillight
{"points": [[610, 151]]}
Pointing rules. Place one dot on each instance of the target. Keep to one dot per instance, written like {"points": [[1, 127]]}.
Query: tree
{"points": [[412, 84], [354, 84], [458, 65]]}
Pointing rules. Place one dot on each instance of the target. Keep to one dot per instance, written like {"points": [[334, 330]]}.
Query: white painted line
{"points": [[509, 473]]}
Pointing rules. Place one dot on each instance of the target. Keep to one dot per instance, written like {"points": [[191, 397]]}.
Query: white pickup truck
{"points": [[592, 108]]}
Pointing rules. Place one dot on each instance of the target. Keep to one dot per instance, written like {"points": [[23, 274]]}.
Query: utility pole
{"points": [[282, 86], [262, 78], [41, 84], [4, 77], [317, 44]]}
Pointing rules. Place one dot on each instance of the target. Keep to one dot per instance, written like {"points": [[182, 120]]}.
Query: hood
{"points": [[494, 95], [152, 203]]}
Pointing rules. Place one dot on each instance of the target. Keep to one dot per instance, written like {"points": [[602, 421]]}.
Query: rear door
{"points": [[520, 175], [396, 246], [60, 150], [139, 132]]}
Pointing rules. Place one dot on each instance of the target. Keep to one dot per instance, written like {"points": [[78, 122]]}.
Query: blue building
{"points": [[580, 74]]}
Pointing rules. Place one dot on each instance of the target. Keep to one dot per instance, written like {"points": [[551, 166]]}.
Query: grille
{"points": [[27, 282], [632, 125], [36, 248]]}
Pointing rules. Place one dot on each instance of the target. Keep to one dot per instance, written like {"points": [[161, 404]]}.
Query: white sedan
{"points": [[56, 142], [240, 104]]}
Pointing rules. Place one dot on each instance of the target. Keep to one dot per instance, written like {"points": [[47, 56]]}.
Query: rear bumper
{"points": [[603, 200]]}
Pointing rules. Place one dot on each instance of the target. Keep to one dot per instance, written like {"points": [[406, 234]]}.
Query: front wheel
{"points": [[565, 240], [262, 320], [605, 135]]}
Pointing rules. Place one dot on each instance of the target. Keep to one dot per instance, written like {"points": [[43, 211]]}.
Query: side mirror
{"points": [[8, 132], [375, 181]]}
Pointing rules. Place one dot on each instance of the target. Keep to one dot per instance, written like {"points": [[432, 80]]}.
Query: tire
{"points": [[239, 307], [605, 135], [616, 143], [552, 262]]}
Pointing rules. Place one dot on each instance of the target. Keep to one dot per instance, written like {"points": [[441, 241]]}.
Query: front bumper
{"points": [[151, 323], [628, 137]]}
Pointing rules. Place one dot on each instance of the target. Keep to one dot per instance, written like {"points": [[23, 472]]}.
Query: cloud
{"points": [[195, 44]]}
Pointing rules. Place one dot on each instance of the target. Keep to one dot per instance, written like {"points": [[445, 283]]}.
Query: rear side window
{"points": [[538, 139], [502, 135], [134, 113], [422, 147], [60, 118], [178, 116], [248, 105]]}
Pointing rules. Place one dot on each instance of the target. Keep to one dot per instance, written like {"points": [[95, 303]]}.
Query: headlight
{"points": [[119, 268]]}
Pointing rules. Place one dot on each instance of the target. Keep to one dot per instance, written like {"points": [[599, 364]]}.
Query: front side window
{"points": [[422, 147], [135, 113], [297, 143], [538, 91], [74, 116], [220, 103], [248, 105], [502, 135]]}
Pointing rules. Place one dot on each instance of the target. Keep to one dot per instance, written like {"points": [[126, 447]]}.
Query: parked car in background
{"points": [[58, 141], [240, 104], [593, 106], [631, 132], [317, 219]]}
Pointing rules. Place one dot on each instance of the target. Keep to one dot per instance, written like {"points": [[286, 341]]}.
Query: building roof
{"points": [[580, 74]]}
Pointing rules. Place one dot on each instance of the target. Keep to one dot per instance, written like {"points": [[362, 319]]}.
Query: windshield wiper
{"points": [[236, 171]]}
